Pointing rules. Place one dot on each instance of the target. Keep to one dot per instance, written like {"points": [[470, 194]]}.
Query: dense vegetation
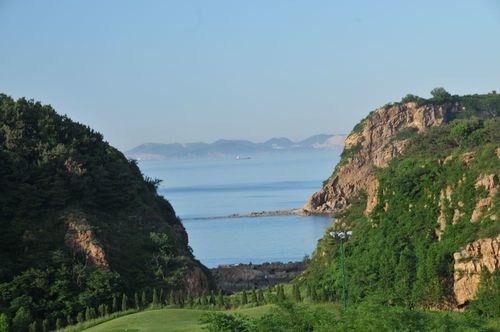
{"points": [[395, 256], [54, 172]]}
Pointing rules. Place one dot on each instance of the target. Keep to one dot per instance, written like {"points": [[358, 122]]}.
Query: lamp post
{"points": [[342, 236]]}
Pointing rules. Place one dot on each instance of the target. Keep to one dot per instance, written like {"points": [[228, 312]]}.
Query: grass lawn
{"points": [[166, 320]]}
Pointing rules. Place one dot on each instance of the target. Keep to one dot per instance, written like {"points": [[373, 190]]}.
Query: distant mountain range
{"points": [[223, 147]]}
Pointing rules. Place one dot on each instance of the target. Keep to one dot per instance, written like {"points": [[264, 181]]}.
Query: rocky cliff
{"points": [[372, 144], [418, 185]]}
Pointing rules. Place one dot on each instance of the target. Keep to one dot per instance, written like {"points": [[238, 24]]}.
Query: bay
{"points": [[214, 187]]}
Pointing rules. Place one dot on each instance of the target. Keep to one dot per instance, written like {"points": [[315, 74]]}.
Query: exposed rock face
{"points": [[373, 146], [196, 282], [476, 256], [80, 237], [485, 205], [248, 276]]}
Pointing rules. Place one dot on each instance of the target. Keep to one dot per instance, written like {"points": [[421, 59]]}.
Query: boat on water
{"points": [[238, 157]]}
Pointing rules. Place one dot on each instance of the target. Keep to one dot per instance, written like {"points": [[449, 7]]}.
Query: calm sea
{"points": [[215, 187]]}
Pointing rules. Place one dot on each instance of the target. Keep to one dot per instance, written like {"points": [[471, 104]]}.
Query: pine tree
{"points": [[33, 327], [190, 300], [154, 303], [21, 320], [171, 298], [88, 315], [296, 293], [124, 302], [4, 323], [254, 296], [244, 299], [114, 304], [260, 296], [136, 301], [143, 299], [100, 309], [220, 300]]}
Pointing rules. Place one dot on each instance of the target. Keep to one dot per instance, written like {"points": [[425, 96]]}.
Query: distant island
{"points": [[224, 148]]}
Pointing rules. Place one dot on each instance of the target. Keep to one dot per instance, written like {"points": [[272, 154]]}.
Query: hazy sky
{"points": [[182, 71]]}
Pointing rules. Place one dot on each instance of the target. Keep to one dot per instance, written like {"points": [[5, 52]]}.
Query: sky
{"points": [[187, 71]]}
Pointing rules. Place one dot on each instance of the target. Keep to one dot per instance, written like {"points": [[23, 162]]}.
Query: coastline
{"points": [[299, 211]]}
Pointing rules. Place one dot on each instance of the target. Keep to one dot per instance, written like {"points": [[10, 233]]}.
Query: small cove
{"points": [[213, 187]]}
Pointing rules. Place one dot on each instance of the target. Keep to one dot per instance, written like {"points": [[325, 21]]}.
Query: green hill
{"points": [[425, 218], [80, 225]]}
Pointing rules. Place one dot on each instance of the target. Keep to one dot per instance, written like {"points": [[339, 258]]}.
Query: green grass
{"points": [[167, 320]]}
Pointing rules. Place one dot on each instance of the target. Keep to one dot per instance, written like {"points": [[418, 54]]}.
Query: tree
{"points": [[212, 298], [440, 94], [244, 299], [136, 301], [21, 320], [296, 293], [260, 296], [171, 298], [220, 299], [4, 323], [190, 300], [143, 299], [124, 302], [114, 304], [154, 303], [254, 296], [33, 327]]}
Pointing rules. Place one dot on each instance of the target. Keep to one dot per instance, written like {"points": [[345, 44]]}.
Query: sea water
{"points": [[215, 187]]}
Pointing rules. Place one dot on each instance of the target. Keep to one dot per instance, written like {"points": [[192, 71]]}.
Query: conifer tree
{"points": [[58, 324], [260, 296], [88, 315], [4, 323], [114, 304], [171, 298], [212, 298], [220, 299], [21, 320], [143, 299], [155, 299], [296, 293], [244, 299], [124, 302], [137, 304], [190, 300], [254, 296], [33, 327]]}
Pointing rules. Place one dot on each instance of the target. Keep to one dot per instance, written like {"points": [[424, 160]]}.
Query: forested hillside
{"points": [[80, 225], [426, 229]]}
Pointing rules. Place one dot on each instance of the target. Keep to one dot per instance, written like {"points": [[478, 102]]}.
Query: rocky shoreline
{"points": [[236, 278], [300, 212]]}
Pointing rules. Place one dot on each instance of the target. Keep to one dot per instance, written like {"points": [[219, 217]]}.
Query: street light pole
{"points": [[342, 235]]}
